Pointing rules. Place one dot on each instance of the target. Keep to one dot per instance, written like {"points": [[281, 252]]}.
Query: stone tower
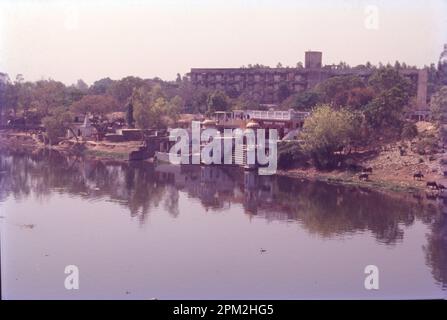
{"points": [[313, 59]]}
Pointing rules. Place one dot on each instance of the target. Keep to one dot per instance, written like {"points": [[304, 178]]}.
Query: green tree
{"points": [[176, 106], [98, 105], [438, 105], [129, 116], [386, 78], [152, 109], [338, 90], [4, 79], [327, 133], [409, 131], [57, 123], [122, 89], [47, 95], [218, 101], [101, 86], [385, 112], [304, 100]]}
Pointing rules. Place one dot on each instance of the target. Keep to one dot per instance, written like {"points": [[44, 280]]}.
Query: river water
{"points": [[135, 231]]}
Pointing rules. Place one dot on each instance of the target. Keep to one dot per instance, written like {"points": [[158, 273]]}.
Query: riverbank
{"points": [[378, 182], [390, 170], [118, 151]]}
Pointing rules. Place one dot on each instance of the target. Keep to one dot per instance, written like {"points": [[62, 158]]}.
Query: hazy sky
{"points": [[69, 40]]}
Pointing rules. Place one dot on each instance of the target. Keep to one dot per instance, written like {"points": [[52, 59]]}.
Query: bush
{"points": [[290, 154], [409, 131], [327, 132]]}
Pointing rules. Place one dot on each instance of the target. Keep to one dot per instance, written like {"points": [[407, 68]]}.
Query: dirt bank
{"points": [[15, 140]]}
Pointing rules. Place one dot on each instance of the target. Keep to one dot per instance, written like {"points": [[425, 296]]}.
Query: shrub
{"points": [[290, 154], [327, 132], [409, 131]]}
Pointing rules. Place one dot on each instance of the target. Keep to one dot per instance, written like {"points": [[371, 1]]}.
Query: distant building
{"points": [[265, 83]]}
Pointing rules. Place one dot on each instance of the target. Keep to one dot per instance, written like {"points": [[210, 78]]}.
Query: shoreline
{"points": [[350, 179], [119, 152]]}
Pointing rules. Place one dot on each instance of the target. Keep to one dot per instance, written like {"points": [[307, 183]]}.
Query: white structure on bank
{"points": [[83, 130]]}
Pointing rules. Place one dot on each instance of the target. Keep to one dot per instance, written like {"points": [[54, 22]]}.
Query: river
{"points": [[135, 231]]}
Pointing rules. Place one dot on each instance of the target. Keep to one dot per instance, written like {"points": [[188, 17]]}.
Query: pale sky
{"points": [[69, 40]]}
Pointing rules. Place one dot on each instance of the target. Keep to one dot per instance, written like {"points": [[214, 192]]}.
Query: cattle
{"points": [[432, 185], [368, 170], [363, 176], [418, 175], [441, 187]]}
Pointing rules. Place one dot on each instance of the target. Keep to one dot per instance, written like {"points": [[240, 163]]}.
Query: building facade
{"points": [[265, 83]]}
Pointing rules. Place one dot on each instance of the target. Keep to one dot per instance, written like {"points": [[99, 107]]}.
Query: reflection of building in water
{"points": [[258, 190], [184, 176], [218, 187]]}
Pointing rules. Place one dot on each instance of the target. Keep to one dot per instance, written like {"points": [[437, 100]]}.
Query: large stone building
{"points": [[265, 83]]}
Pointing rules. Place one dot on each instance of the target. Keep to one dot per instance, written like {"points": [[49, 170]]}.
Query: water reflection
{"points": [[328, 211]]}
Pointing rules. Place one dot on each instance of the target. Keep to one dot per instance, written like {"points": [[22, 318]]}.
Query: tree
{"points": [[438, 105], [359, 97], [4, 79], [82, 86], [385, 112], [176, 106], [47, 95], [129, 116], [95, 104], [122, 89], [57, 123], [218, 101], [141, 100], [409, 131], [326, 132], [386, 78], [152, 109], [283, 92], [304, 100], [200, 100], [101, 86], [337, 90]]}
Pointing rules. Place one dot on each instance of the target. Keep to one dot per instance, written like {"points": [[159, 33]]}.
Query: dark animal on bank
{"points": [[363, 176], [441, 187], [432, 185], [418, 175], [368, 170]]}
